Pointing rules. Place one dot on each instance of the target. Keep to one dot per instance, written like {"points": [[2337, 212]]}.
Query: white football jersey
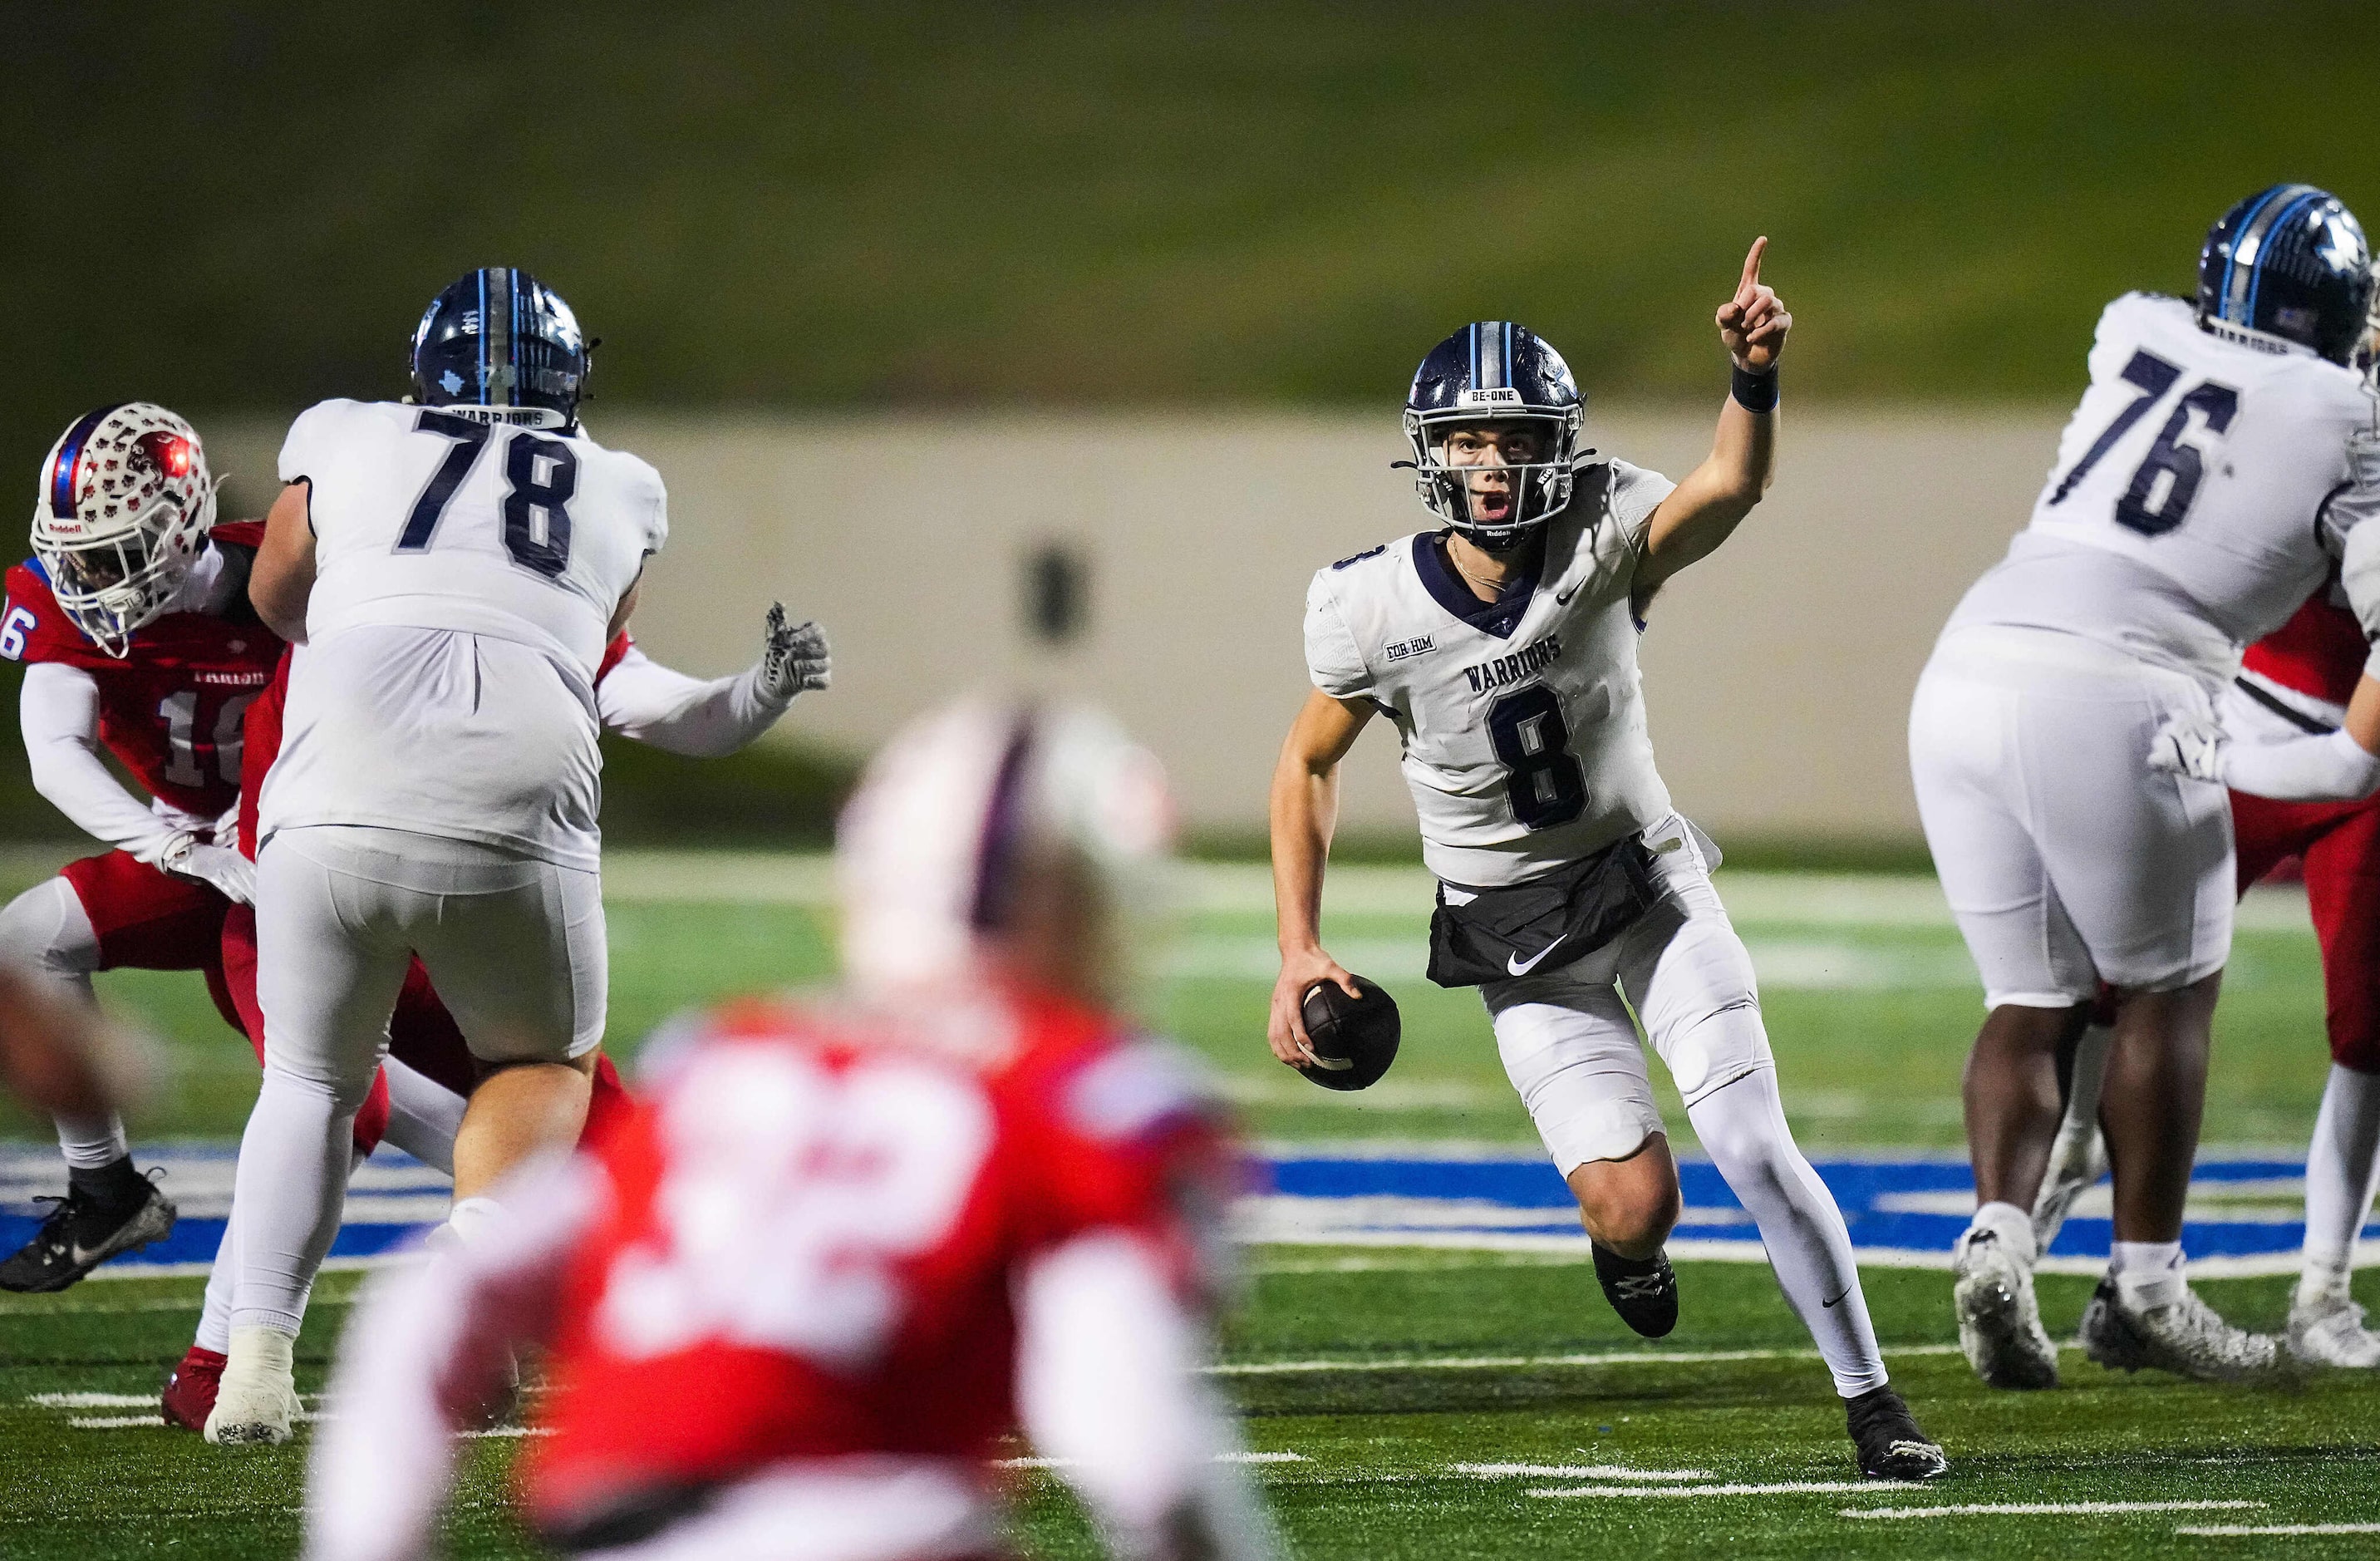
{"points": [[2202, 491], [1523, 720], [466, 578]]}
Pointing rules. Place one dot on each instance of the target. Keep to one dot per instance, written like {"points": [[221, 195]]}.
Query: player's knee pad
{"points": [[347, 1086], [1741, 1126], [47, 929]]}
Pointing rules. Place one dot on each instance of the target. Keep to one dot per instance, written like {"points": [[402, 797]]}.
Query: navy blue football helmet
{"points": [[1493, 372], [2288, 263], [501, 346]]}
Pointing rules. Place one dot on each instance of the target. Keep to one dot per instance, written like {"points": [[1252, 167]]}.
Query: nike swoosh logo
{"points": [[1520, 967], [1838, 1300], [1562, 598]]}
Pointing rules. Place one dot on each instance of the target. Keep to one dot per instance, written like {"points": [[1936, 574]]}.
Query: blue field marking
{"points": [[2247, 1214], [1903, 1209]]}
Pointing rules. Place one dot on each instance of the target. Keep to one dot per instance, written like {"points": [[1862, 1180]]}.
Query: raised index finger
{"points": [[1752, 266]]}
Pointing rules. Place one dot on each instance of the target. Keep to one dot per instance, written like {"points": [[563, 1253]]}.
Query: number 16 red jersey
{"points": [[171, 710]]}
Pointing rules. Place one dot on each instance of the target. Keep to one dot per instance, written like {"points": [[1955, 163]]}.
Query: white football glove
{"points": [[2189, 746], [793, 658], [229, 873]]}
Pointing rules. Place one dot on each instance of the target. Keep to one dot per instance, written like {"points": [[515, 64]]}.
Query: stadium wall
{"points": [[1778, 673]]}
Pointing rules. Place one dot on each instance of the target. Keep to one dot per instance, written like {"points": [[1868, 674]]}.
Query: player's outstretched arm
{"points": [[57, 710], [641, 698], [1305, 814], [1715, 496], [283, 578], [2341, 766]]}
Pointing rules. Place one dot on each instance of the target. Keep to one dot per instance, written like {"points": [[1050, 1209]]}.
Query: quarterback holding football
{"points": [[1502, 645]]}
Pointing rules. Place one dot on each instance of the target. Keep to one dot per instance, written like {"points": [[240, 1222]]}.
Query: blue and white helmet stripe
{"points": [[68, 455]]}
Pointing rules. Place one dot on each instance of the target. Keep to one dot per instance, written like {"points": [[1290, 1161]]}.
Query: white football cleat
{"points": [[1999, 1321], [258, 1398], [2184, 1337], [2331, 1333]]}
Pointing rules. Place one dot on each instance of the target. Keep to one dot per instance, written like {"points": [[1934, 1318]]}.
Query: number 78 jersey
{"points": [[2219, 463], [424, 519]]}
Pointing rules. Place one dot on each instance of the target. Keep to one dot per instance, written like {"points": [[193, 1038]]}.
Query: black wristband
{"points": [[1754, 392]]}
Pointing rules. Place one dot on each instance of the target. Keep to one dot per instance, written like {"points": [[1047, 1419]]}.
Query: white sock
{"points": [[91, 1143], [423, 1116], [2010, 1226], [2147, 1274], [1742, 1126], [214, 1313], [2340, 1177], [289, 1189]]}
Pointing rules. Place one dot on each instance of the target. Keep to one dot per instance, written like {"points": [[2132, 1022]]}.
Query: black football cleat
{"points": [[1890, 1446], [82, 1233], [1643, 1290]]}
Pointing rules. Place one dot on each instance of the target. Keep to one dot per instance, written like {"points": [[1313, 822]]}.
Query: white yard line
{"points": [[1576, 1472], [1220, 1458], [2046, 1508], [1775, 1488], [1527, 1362], [2235, 1531]]}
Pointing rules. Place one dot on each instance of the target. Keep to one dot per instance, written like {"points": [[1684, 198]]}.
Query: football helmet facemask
{"points": [[498, 345], [122, 513], [2287, 264], [1494, 372]]}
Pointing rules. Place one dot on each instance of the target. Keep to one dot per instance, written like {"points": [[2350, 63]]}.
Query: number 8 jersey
{"points": [[1523, 720], [2202, 491], [466, 575]]}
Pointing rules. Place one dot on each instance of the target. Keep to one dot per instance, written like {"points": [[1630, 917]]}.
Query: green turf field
{"points": [[1869, 998], [1388, 1383]]}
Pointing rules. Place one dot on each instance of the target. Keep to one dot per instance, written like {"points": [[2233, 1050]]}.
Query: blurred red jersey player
{"points": [[796, 1301]]}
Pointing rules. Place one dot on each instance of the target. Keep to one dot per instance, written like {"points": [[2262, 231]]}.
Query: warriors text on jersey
{"points": [[466, 578], [806, 1248], [170, 711], [2202, 492], [1523, 720]]}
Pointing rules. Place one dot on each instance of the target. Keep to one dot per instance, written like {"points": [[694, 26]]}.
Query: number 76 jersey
{"points": [[2217, 469], [424, 519]]}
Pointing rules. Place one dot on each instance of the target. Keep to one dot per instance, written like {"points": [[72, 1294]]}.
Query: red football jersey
{"points": [[808, 1236], [2319, 652], [171, 711]]}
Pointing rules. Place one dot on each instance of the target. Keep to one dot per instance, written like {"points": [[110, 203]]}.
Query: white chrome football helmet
{"points": [[123, 511], [930, 846]]}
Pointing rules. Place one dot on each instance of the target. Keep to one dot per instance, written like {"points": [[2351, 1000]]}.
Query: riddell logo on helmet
{"points": [[1499, 395]]}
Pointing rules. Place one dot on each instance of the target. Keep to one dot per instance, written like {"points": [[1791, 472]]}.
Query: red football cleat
{"points": [[189, 1396]]}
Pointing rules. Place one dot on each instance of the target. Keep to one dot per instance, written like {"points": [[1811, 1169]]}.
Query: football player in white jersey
{"points": [[1503, 648], [2214, 475], [452, 572]]}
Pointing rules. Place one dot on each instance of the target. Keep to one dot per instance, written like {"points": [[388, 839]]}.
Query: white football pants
{"points": [[514, 945], [1570, 1049], [2066, 859]]}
